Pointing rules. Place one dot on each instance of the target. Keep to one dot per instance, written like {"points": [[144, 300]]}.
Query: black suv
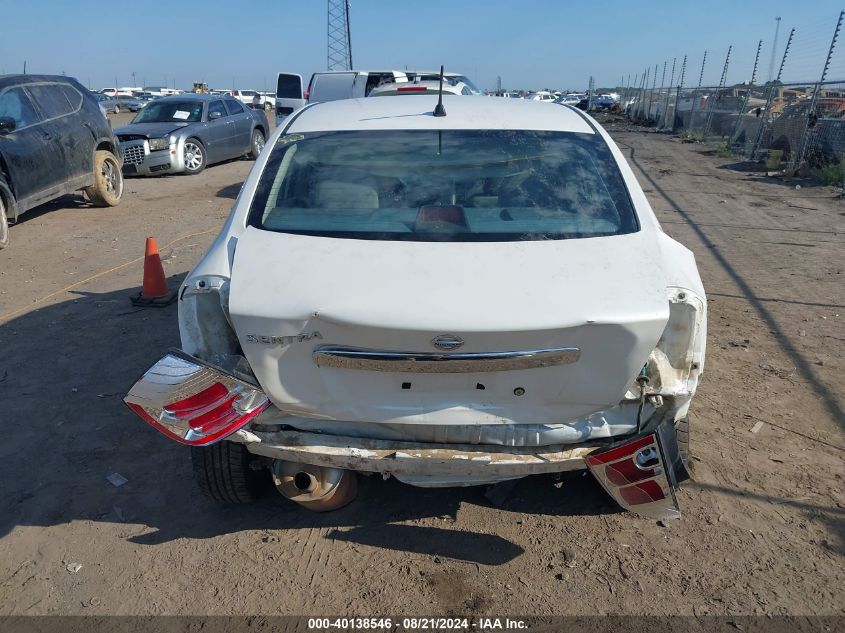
{"points": [[54, 140]]}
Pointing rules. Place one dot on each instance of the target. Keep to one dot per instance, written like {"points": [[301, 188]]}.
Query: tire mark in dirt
{"points": [[827, 398]]}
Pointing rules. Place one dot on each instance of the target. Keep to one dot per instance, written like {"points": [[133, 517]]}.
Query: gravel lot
{"points": [[763, 530]]}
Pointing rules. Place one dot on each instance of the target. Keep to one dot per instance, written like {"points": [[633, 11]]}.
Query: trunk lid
{"points": [[291, 294]]}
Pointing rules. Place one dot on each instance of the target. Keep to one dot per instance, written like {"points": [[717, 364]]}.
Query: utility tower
{"points": [[340, 44]]}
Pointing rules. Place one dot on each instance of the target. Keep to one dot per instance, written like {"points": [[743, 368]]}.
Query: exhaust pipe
{"points": [[317, 488]]}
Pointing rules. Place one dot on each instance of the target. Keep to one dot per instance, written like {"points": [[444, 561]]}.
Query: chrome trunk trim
{"points": [[433, 363]]}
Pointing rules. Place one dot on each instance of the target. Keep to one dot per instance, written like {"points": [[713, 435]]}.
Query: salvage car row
{"points": [[55, 140]]}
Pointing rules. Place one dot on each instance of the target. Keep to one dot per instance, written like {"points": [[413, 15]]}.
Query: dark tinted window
{"points": [[216, 106], [235, 107], [73, 96], [15, 103], [50, 99], [289, 87], [456, 185]]}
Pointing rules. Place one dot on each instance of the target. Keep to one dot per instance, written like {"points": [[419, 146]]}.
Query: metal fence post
{"points": [[668, 92], [711, 103], [658, 113], [675, 116], [694, 95], [802, 148], [741, 115], [770, 98], [643, 91]]}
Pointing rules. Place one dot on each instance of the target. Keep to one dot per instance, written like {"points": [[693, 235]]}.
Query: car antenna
{"points": [[439, 110]]}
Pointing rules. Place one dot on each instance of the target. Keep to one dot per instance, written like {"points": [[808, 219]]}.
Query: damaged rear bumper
{"points": [[418, 463], [196, 403]]}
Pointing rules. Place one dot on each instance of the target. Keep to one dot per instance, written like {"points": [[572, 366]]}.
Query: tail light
{"points": [[412, 89], [643, 473], [192, 402]]}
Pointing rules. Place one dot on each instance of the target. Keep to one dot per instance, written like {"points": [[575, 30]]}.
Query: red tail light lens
{"points": [[192, 402], [192, 405], [412, 89], [641, 474]]}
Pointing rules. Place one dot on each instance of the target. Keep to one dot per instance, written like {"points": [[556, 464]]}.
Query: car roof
{"points": [[187, 96], [414, 112], [16, 80]]}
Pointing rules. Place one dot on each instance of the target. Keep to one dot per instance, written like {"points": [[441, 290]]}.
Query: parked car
{"points": [[268, 100], [603, 102], [184, 133], [345, 84], [244, 96], [54, 140], [825, 129], [460, 314], [114, 104], [127, 104], [450, 77], [146, 97], [540, 96], [422, 87], [106, 102]]}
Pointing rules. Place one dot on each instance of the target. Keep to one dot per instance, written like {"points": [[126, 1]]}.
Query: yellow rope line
{"points": [[13, 313]]}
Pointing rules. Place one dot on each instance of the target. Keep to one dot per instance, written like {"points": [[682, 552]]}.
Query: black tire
{"points": [[107, 189], [268, 106], [200, 152], [256, 143], [4, 223], [682, 433], [222, 472]]}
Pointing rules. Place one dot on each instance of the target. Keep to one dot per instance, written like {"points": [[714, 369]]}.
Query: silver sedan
{"points": [[184, 133]]}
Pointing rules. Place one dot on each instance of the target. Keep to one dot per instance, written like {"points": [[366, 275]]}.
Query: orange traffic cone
{"points": [[154, 291]]}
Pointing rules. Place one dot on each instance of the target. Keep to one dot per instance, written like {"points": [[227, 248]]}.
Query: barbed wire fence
{"points": [[792, 121]]}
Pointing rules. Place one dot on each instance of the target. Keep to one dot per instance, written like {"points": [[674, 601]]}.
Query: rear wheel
{"points": [[108, 180], [4, 224], [117, 109], [682, 433], [257, 144], [223, 472]]}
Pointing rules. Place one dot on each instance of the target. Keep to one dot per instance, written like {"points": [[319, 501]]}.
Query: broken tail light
{"points": [[642, 473], [192, 402]]}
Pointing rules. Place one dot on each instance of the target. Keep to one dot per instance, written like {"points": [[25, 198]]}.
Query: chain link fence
{"points": [[781, 124], [792, 126]]}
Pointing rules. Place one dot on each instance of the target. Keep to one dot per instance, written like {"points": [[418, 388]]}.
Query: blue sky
{"points": [[529, 43]]}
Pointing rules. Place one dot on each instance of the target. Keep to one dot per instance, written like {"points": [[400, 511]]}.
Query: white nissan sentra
{"points": [[449, 300]]}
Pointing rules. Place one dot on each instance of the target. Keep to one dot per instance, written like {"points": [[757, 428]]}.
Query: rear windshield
{"points": [[453, 185]]}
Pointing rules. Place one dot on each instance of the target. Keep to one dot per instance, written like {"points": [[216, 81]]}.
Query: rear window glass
{"points": [[331, 86], [453, 185], [51, 100]]}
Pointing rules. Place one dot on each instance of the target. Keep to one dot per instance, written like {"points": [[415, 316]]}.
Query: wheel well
{"points": [[263, 131], [107, 146], [4, 172]]}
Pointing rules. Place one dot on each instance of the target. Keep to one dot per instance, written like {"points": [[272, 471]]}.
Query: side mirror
{"points": [[213, 116], [7, 124]]}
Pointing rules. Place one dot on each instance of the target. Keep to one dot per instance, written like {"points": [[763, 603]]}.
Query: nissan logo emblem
{"points": [[447, 342]]}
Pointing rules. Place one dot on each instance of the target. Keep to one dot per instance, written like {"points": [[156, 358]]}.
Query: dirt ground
{"points": [[763, 530]]}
